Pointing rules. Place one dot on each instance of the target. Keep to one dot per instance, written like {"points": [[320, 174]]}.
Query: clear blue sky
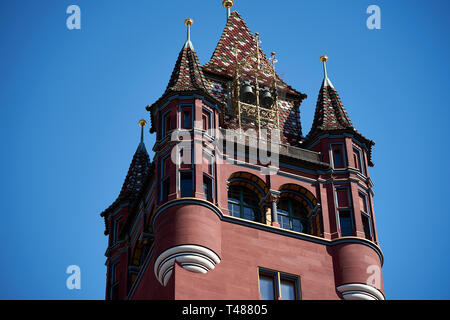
{"points": [[70, 102]]}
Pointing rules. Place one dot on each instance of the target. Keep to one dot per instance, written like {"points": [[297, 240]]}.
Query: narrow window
{"points": [[338, 156], [205, 122], [345, 223], [207, 188], [187, 119], [357, 160], [267, 287], [367, 226], [287, 288], [363, 203], [186, 185]]}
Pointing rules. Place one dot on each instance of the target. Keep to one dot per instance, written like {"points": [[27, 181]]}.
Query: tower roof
{"points": [[187, 75], [331, 116], [237, 37], [138, 172], [330, 112]]}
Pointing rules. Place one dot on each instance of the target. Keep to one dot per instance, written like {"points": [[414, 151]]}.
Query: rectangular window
{"points": [[186, 184], [367, 226], [338, 156], [357, 160], [342, 198], [276, 285], [287, 289], [204, 122], [208, 160], [267, 287], [187, 122], [207, 188], [345, 223], [363, 203]]}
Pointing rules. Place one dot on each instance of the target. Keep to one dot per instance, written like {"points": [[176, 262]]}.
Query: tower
{"points": [[237, 203]]}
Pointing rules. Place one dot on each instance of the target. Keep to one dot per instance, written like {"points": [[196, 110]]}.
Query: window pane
{"points": [[287, 289], [187, 120], [249, 214], [337, 157], [366, 225], [362, 203], [186, 185], [345, 223], [297, 225], [234, 209], [266, 287]]}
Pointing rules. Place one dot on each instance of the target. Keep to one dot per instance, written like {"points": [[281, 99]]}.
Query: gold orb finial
{"points": [[189, 22], [142, 123], [324, 58], [228, 3]]}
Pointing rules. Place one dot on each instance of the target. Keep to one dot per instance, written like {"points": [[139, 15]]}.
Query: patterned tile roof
{"points": [[330, 112], [187, 74], [138, 172], [237, 36], [330, 115]]}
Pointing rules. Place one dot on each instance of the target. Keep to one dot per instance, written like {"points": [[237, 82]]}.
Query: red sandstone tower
{"points": [[217, 216]]}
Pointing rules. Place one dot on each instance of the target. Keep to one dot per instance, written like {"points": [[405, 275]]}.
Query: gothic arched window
{"points": [[243, 203], [292, 215]]}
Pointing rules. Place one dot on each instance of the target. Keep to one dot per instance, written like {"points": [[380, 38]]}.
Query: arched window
{"points": [[292, 215], [243, 203]]}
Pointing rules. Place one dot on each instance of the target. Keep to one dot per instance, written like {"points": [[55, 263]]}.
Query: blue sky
{"points": [[70, 101]]}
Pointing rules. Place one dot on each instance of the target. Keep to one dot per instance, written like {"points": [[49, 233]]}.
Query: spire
{"points": [[189, 22], [142, 124], [187, 74], [139, 170], [326, 81], [330, 112], [228, 4]]}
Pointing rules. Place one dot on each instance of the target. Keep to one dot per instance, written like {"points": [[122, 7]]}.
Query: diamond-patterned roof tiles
{"points": [[237, 37]]}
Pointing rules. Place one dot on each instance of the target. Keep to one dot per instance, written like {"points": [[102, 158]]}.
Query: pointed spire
{"points": [[189, 22], [228, 4], [330, 112], [142, 124], [187, 74], [139, 170], [326, 81]]}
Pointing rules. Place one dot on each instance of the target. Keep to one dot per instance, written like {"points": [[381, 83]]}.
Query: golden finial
{"points": [[228, 3], [189, 22], [327, 81], [142, 124]]}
